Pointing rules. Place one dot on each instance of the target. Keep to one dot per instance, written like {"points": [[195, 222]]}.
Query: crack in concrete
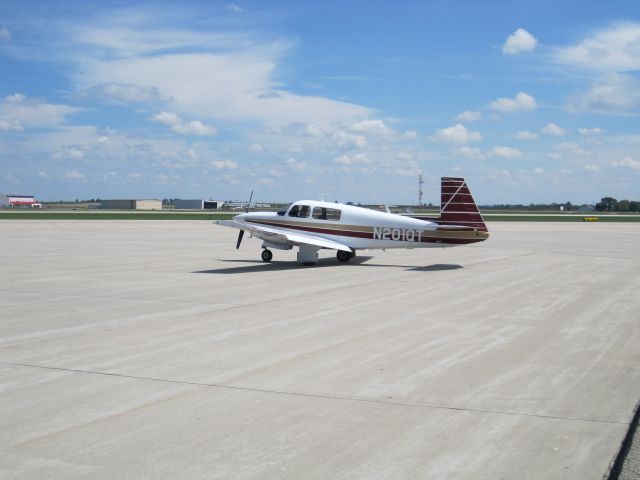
{"points": [[316, 395]]}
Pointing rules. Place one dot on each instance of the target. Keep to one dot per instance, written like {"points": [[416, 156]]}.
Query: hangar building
{"points": [[198, 204], [131, 204], [14, 200]]}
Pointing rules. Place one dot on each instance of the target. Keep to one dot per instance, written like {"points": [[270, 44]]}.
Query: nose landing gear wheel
{"points": [[344, 256], [266, 255]]}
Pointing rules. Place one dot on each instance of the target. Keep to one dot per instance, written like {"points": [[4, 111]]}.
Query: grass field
{"points": [[182, 215]]}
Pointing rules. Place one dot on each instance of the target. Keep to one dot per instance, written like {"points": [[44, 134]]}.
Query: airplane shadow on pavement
{"points": [[259, 266]]}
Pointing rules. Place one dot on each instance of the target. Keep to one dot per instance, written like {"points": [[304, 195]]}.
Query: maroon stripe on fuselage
{"points": [[369, 235]]}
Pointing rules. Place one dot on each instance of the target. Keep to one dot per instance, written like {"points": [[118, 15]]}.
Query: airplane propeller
{"points": [[241, 232]]}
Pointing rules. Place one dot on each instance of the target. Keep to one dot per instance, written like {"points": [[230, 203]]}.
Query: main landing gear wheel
{"points": [[345, 256], [267, 255]]}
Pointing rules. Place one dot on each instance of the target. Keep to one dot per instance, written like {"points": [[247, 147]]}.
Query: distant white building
{"points": [[198, 204], [237, 205], [131, 204], [14, 200]]}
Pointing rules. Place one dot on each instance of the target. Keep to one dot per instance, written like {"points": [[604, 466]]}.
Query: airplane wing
{"points": [[278, 235]]}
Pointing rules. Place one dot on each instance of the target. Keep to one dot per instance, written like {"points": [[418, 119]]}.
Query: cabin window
{"points": [[283, 211], [295, 210], [322, 213], [300, 211]]}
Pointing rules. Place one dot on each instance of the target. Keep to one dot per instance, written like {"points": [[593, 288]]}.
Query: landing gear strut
{"points": [[345, 256], [266, 255]]}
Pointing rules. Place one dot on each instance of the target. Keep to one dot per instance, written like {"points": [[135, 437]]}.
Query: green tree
{"points": [[607, 204], [623, 206]]}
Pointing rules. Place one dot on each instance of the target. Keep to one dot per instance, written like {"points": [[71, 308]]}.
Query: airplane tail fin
{"points": [[457, 206]]}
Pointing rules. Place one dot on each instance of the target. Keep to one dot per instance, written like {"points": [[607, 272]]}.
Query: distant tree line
{"points": [[610, 204], [607, 204], [567, 207]]}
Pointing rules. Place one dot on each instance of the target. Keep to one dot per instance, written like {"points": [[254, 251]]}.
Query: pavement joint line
{"points": [[133, 324], [315, 395]]}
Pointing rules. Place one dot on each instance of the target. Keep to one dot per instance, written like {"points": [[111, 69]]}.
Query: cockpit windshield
{"points": [[283, 211]]}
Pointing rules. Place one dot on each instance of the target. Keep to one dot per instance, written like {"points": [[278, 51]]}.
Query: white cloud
{"points": [[627, 162], [348, 140], [518, 42], [410, 134], [255, 148], [538, 171], [16, 98], [553, 129], [194, 127], [372, 127], [591, 168], [18, 112], [555, 156], [72, 153], [224, 165], [521, 102], [5, 34], [301, 129], [352, 159], [470, 152], [295, 164], [568, 146], [590, 131], [456, 134], [506, 152], [167, 118], [525, 135], [207, 75], [44, 175], [573, 148], [469, 116], [613, 93], [127, 93], [232, 7], [616, 48], [74, 175], [10, 125]]}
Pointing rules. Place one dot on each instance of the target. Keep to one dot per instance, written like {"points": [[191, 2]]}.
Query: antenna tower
{"points": [[420, 182]]}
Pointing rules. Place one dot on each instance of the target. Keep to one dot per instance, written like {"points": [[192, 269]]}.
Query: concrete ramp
{"points": [[154, 349]]}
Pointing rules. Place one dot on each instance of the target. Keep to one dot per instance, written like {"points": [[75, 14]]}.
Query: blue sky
{"points": [[531, 101]]}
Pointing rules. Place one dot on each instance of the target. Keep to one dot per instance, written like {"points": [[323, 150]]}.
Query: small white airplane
{"points": [[311, 225]]}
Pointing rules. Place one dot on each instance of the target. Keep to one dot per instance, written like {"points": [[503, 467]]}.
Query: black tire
{"points": [[266, 255], [344, 256]]}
